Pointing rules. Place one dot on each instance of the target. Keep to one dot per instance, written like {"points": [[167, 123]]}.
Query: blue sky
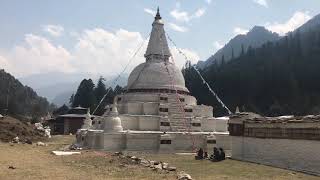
{"points": [[99, 36]]}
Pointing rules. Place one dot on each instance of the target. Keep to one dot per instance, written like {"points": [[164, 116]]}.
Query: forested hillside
{"points": [[281, 77], [19, 99], [257, 36]]}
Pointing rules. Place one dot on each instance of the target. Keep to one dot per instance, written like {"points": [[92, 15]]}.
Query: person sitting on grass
{"points": [[222, 154], [205, 156], [215, 156], [199, 154]]}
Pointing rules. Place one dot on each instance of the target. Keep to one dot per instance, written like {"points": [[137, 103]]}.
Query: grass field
{"points": [[34, 162]]}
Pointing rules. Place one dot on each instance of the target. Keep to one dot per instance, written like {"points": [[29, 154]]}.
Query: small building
{"points": [[70, 122]]}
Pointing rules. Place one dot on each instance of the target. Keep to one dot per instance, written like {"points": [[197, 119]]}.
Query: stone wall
{"points": [[300, 155]]}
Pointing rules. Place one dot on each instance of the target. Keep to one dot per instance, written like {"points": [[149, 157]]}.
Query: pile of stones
{"points": [[154, 165]]}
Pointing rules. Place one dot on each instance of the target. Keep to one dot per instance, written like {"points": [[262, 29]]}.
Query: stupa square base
{"points": [[155, 141]]}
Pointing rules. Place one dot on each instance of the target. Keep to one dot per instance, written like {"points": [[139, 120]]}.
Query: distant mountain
{"points": [[21, 100], [257, 36], [311, 24], [63, 98], [57, 87], [278, 78]]}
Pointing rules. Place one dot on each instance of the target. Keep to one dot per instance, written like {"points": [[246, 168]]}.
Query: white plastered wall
{"points": [[301, 155], [142, 142], [149, 123]]}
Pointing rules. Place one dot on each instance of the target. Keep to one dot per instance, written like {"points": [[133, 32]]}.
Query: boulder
{"points": [[183, 176], [171, 168]]}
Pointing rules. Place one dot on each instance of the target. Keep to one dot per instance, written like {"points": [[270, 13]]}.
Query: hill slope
{"points": [[257, 36], [22, 100], [278, 78]]}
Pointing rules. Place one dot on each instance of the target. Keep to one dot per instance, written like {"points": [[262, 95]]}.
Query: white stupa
{"points": [[157, 112]]}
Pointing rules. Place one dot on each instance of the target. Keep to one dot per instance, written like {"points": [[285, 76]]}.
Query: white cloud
{"points": [[4, 64], [184, 16], [37, 55], [180, 60], [298, 19], [208, 1], [200, 12], [96, 51], [150, 11], [217, 45], [238, 30], [105, 52], [178, 28], [54, 30], [180, 15], [261, 2]]}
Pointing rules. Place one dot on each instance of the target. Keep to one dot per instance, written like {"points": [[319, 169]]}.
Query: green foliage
{"points": [[85, 96], [89, 96], [20, 99], [278, 78], [61, 110]]}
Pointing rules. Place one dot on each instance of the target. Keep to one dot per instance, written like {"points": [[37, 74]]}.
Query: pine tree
{"points": [[84, 96], [100, 90], [223, 61], [232, 53], [71, 99], [242, 50]]}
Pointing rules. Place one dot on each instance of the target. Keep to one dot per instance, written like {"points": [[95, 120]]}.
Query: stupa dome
{"points": [[153, 74]]}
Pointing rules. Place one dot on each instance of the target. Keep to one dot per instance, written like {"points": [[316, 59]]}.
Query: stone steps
{"points": [[177, 115]]}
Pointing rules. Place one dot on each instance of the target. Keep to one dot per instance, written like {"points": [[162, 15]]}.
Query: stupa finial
{"points": [[157, 15]]}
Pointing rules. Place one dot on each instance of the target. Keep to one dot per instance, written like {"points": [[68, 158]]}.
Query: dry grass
{"points": [[33, 162]]}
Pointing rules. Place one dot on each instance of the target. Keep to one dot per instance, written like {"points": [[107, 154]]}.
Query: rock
{"points": [[158, 166], [122, 165], [12, 167], [156, 162], [16, 140], [133, 157], [41, 144], [74, 147], [164, 165], [145, 163], [28, 141], [183, 176], [171, 168], [47, 132], [118, 153], [39, 126]]}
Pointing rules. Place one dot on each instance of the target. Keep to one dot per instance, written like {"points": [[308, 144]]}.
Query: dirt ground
{"points": [[35, 162], [11, 128]]}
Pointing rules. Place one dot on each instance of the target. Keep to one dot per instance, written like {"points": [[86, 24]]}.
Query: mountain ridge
{"points": [[256, 37]]}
